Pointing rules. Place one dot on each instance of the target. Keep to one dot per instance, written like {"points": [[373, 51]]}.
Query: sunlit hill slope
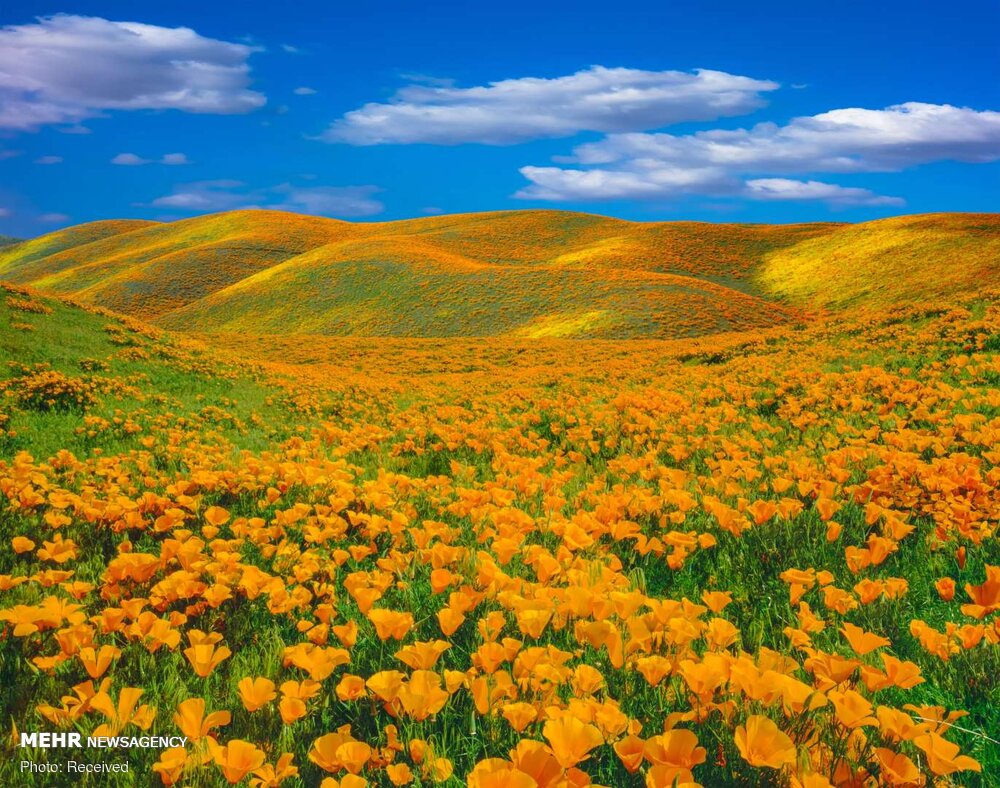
{"points": [[522, 273]]}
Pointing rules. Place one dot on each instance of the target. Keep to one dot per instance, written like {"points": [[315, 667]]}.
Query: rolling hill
{"points": [[896, 260], [520, 273]]}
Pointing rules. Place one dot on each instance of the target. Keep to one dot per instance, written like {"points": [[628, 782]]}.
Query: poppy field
{"points": [[758, 558]]}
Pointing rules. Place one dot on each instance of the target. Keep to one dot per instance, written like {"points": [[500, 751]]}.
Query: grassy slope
{"points": [[171, 376], [164, 266], [907, 258], [38, 257]]}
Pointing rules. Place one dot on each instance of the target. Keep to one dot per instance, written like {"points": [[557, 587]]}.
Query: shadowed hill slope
{"points": [[525, 273]]}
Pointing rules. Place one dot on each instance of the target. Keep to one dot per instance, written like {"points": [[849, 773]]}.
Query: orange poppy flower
{"points": [[678, 748], [896, 768], [762, 743], [423, 655], [390, 623], [205, 658], [351, 688], [216, 516], [256, 692], [571, 740], [268, 776], [236, 759], [324, 750], [943, 756], [190, 718], [898, 725], [386, 684], [862, 642], [353, 756], [294, 695], [853, 710], [125, 712], [422, 695], [97, 662], [498, 773], [347, 633], [171, 765], [945, 587], [717, 600], [902, 674], [22, 544], [986, 596], [630, 750], [449, 620], [519, 715], [399, 774]]}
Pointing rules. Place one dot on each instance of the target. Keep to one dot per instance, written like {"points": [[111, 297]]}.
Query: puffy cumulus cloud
{"points": [[842, 140], [516, 110], [720, 162], [223, 195], [304, 91], [64, 68]]}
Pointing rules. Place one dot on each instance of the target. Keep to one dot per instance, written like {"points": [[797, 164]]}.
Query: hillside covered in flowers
{"points": [[519, 274], [757, 557]]}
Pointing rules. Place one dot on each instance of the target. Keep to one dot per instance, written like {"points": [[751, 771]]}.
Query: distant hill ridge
{"points": [[526, 273]]}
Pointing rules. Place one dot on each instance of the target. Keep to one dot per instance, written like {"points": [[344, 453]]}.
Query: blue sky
{"points": [[750, 112]]}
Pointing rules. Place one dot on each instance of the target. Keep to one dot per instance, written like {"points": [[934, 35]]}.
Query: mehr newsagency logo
{"points": [[51, 740]]}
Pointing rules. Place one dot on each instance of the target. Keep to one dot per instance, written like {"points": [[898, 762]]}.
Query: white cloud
{"points": [[216, 195], [842, 140], [54, 218], [64, 68], [129, 160], [737, 162], [556, 183], [48, 160], [226, 195], [788, 189], [304, 91], [515, 110], [132, 160], [343, 201], [4, 212]]}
